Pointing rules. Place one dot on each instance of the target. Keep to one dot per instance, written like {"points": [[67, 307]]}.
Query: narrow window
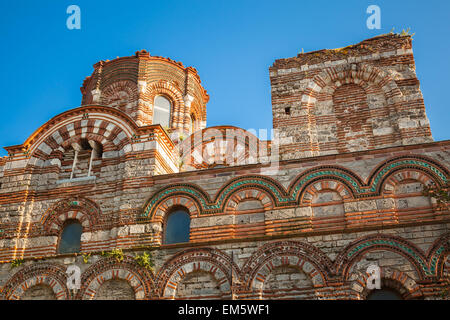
{"points": [[161, 111], [70, 241], [192, 123], [177, 227]]}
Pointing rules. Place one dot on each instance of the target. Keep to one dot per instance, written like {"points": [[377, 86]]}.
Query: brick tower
{"points": [[361, 97], [133, 85]]}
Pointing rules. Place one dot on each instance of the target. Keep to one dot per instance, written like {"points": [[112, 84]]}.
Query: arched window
{"points": [[177, 227], [79, 159], [384, 294], [70, 241], [161, 111], [193, 121]]}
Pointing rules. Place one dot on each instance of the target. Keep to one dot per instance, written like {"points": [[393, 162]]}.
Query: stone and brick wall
{"points": [[356, 154], [361, 97], [321, 221], [130, 84]]}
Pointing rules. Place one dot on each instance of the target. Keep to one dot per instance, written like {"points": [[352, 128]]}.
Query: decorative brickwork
{"points": [[140, 279], [348, 99], [295, 254], [356, 153], [81, 209], [393, 279], [221, 146], [52, 275], [345, 179], [130, 84], [207, 260]]}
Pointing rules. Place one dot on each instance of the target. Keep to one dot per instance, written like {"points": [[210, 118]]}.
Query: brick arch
{"points": [[91, 136], [171, 91], [357, 249], [190, 267], [110, 123], [112, 91], [370, 79], [109, 134], [139, 278], [313, 189], [168, 204], [107, 145], [270, 187], [86, 211], [439, 254], [402, 189], [52, 275], [344, 179], [290, 253], [209, 260], [361, 74], [239, 196], [184, 192], [445, 274], [430, 168], [232, 146], [408, 174], [202, 199], [406, 286], [376, 179], [288, 260]]}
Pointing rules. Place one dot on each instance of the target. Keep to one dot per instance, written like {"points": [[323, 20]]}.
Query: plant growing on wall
{"points": [[17, 263], [440, 193], [115, 253], [86, 257], [145, 260], [407, 32], [445, 291], [404, 32]]}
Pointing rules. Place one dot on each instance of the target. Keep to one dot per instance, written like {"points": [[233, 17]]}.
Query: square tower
{"points": [[361, 97]]}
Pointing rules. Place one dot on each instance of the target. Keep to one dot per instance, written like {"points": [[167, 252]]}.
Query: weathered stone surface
{"points": [[349, 194]]}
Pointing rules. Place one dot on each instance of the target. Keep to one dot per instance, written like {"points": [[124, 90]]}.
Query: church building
{"points": [[132, 195]]}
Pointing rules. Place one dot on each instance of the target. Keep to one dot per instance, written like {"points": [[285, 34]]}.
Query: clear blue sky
{"points": [[230, 43]]}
